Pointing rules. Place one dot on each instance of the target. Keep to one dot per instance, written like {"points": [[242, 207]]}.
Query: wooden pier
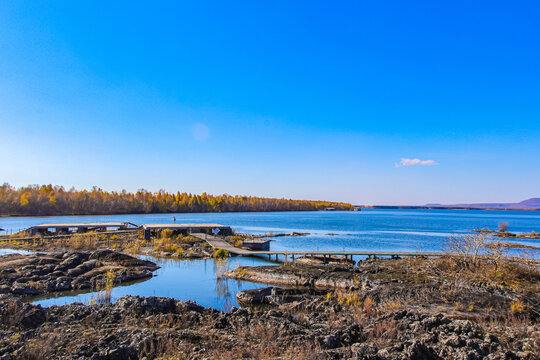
{"points": [[71, 228], [219, 243]]}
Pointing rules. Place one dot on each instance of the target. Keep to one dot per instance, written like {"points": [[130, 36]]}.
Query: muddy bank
{"points": [[37, 274], [134, 328]]}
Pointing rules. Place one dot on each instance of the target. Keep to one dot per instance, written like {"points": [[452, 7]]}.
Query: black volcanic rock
{"points": [[35, 274]]}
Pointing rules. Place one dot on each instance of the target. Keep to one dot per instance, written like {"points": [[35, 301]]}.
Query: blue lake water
{"points": [[406, 230], [197, 280], [398, 230]]}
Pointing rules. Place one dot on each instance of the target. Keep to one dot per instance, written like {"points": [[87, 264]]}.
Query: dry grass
{"points": [[87, 240], [134, 247], [42, 347], [167, 234], [165, 245]]}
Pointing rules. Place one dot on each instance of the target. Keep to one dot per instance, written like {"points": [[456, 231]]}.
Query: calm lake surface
{"points": [[399, 230], [197, 280], [406, 230]]}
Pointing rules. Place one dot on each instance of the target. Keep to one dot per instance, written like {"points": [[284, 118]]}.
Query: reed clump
{"points": [[104, 288]]}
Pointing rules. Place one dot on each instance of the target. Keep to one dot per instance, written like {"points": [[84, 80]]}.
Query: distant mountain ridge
{"points": [[532, 203]]}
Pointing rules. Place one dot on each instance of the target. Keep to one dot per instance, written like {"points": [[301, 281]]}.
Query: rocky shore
{"points": [[414, 284], [36, 274], [448, 308], [163, 328]]}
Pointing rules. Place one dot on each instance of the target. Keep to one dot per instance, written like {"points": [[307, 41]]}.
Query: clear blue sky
{"points": [[314, 100]]}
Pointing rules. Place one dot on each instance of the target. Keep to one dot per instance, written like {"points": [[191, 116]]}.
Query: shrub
{"points": [[221, 253], [468, 247]]}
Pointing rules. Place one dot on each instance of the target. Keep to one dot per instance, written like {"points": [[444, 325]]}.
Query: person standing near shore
{"points": [[174, 219]]}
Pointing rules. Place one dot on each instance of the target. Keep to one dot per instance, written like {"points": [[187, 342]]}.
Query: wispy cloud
{"points": [[411, 162]]}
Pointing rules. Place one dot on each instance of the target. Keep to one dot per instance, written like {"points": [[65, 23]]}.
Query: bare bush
{"points": [[467, 247]]}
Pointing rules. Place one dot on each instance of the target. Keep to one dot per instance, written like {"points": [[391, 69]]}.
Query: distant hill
{"points": [[532, 203]]}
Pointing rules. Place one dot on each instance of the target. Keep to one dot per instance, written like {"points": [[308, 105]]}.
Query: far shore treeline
{"points": [[47, 200]]}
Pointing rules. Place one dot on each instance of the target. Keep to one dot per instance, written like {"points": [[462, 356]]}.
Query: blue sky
{"points": [[312, 100]]}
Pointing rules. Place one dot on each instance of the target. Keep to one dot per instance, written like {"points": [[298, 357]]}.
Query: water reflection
{"points": [[198, 280], [221, 266]]}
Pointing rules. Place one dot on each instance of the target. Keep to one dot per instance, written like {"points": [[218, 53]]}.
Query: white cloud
{"points": [[411, 162], [200, 132]]}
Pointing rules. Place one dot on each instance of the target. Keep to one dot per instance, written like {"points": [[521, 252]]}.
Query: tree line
{"points": [[46, 200]]}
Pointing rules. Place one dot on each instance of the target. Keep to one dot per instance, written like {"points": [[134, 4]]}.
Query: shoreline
{"points": [[391, 309], [362, 207], [422, 207], [173, 213]]}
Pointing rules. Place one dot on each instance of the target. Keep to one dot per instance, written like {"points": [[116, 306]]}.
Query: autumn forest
{"points": [[55, 200]]}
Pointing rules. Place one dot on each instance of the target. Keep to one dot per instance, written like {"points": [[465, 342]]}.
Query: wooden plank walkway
{"points": [[55, 237], [219, 243]]}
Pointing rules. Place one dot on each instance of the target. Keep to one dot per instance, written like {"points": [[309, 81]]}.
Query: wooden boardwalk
{"points": [[219, 243]]}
